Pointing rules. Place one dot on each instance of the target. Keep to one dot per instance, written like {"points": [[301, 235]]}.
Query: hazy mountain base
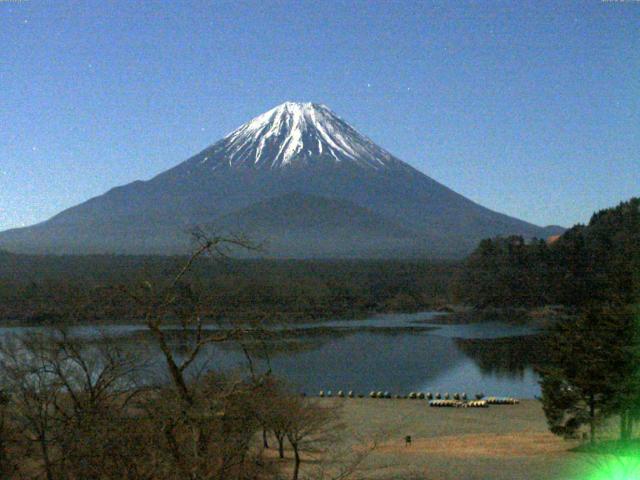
{"points": [[293, 225]]}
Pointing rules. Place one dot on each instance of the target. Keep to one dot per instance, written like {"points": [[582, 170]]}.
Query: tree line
{"points": [[43, 289], [596, 264]]}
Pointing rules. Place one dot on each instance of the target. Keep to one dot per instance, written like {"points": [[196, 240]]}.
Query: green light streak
{"points": [[615, 467]]}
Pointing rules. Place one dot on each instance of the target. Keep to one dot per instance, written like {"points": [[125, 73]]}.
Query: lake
{"points": [[398, 353]]}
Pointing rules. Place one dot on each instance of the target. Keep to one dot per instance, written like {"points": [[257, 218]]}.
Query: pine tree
{"points": [[593, 372]]}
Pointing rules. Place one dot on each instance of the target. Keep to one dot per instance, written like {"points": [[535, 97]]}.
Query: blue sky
{"points": [[529, 108]]}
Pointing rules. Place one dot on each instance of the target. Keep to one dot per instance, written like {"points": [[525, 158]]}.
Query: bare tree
{"points": [[7, 466], [205, 426], [68, 397], [94, 375], [34, 393], [279, 421], [96, 432], [178, 302], [309, 428]]}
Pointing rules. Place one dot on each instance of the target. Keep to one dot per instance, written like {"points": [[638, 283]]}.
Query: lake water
{"points": [[398, 353]]}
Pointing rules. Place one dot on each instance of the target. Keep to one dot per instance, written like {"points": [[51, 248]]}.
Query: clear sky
{"points": [[529, 108]]}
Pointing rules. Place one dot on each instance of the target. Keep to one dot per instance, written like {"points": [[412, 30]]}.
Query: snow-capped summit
{"points": [[295, 134]]}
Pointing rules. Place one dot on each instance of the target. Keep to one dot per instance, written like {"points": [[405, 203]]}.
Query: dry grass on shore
{"points": [[509, 442]]}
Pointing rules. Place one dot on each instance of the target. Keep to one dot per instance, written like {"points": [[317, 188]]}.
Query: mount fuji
{"points": [[297, 177]]}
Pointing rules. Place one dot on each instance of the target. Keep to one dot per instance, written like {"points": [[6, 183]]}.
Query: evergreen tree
{"points": [[593, 372], [625, 401], [505, 272]]}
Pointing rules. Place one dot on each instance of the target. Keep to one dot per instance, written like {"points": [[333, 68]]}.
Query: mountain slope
{"points": [[296, 224], [296, 211], [301, 148]]}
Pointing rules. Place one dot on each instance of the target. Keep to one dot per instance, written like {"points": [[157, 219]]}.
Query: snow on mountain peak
{"points": [[294, 133]]}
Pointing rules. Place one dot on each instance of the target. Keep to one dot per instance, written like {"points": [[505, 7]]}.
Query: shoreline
{"points": [[445, 315]]}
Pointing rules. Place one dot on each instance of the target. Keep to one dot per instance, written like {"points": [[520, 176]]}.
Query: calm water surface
{"points": [[396, 352]]}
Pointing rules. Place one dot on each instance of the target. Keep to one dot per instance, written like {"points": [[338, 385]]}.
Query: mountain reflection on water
{"points": [[398, 353]]}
